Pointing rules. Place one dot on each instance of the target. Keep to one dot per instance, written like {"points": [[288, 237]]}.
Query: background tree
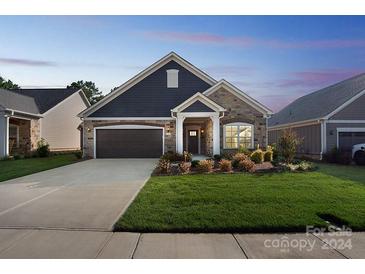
{"points": [[7, 84], [91, 91]]}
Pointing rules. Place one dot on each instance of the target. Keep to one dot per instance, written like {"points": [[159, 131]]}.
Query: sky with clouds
{"points": [[275, 59]]}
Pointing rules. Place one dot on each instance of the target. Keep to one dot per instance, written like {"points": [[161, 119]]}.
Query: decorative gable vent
{"points": [[172, 78]]}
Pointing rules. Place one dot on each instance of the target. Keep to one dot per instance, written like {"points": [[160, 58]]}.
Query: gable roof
{"points": [[172, 56], [320, 104], [17, 102], [198, 106], [240, 94], [47, 98], [198, 97]]}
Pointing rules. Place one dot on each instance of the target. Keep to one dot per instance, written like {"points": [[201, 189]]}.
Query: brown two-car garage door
{"points": [[128, 143]]}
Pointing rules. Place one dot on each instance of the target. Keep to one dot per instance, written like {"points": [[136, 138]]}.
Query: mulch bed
{"points": [[259, 168]]}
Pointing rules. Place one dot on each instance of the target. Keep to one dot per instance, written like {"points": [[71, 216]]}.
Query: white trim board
{"points": [[127, 118], [172, 56], [349, 129], [239, 94], [201, 98], [129, 127], [346, 121], [295, 124]]}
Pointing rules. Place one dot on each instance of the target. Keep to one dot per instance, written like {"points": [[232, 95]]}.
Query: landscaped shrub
{"points": [[244, 151], [177, 157], [194, 163], [301, 166], [246, 165], [206, 165], [344, 158], [237, 158], [275, 152], [217, 157], [184, 167], [257, 156], [78, 154], [43, 148], [7, 158], [187, 156], [228, 155], [164, 166], [331, 156], [268, 154], [17, 157], [337, 156], [305, 166], [240, 157], [225, 165], [287, 145]]}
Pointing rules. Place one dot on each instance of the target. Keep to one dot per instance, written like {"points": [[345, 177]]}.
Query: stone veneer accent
{"points": [[169, 125], [239, 111], [35, 133], [209, 137]]}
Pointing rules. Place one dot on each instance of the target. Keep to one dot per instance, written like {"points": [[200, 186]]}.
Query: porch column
{"points": [[179, 133], [216, 134], [4, 135]]}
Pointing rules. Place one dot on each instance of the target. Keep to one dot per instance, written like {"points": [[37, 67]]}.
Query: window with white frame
{"points": [[238, 135], [172, 78]]}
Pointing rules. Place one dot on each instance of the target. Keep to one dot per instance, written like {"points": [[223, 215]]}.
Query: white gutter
{"points": [[23, 112]]}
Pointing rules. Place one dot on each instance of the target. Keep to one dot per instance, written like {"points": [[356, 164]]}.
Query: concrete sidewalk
{"points": [[24, 243]]}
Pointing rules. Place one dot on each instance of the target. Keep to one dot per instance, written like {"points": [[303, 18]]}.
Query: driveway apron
{"points": [[88, 195]]}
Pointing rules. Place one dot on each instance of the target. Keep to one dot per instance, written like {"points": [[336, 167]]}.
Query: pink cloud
{"points": [[246, 41], [317, 78], [202, 38]]}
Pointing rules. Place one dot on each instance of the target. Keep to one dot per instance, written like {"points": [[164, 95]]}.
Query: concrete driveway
{"points": [[87, 195]]}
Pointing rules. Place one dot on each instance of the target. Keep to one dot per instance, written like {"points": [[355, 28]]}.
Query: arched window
{"points": [[238, 135]]}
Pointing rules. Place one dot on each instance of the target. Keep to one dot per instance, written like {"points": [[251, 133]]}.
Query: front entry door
{"points": [[193, 141]]}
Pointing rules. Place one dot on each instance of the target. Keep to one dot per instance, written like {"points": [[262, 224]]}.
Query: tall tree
{"points": [[91, 91], [7, 84]]}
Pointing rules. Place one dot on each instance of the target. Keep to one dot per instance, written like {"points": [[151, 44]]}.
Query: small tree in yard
{"points": [[288, 143]]}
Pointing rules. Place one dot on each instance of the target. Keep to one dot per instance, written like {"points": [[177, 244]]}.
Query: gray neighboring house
{"points": [[27, 115], [331, 117], [173, 106]]}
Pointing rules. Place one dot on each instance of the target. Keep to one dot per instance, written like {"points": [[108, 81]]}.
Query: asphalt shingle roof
{"points": [[47, 98], [319, 103], [19, 102]]}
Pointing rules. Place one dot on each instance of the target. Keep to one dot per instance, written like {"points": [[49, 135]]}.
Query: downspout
{"points": [[267, 117], [323, 137]]}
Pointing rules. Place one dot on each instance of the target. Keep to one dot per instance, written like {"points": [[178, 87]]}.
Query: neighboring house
{"points": [[27, 115], [173, 106], [325, 119]]}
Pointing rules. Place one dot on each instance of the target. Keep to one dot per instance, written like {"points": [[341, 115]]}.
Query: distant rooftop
{"points": [[19, 102], [46, 98], [319, 103]]}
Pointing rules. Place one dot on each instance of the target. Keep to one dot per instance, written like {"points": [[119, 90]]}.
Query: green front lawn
{"points": [[248, 202], [16, 168]]}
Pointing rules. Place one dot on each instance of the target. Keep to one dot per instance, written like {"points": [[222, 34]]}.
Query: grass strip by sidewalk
{"points": [[280, 202]]}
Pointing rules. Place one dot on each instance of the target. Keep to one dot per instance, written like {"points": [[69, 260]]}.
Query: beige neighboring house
{"points": [[27, 115]]}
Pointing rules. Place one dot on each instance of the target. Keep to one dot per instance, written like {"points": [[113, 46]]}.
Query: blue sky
{"points": [[275, 59]]}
